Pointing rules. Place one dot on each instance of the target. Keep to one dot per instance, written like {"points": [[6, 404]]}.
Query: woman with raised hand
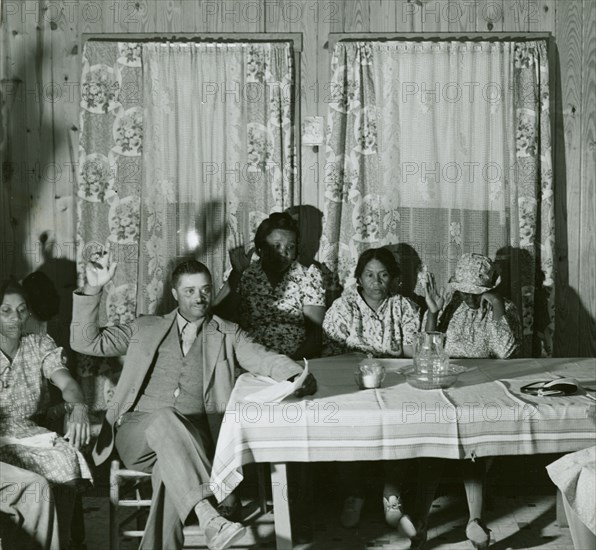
{"points": [[477, 322], [27, 362], [282, 302]]}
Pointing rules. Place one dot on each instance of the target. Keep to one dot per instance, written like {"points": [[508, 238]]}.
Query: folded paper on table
{"points": [[278, 391]]}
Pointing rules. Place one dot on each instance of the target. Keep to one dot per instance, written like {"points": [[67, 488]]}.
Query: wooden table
{"points": [[483, 414]]}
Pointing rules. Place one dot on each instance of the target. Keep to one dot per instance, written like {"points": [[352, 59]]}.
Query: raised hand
{"points": [[435, 300], [492, 301], [99, 271], [239, 258]]}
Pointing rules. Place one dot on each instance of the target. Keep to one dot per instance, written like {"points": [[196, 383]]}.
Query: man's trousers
{"points": [[177, 450]]}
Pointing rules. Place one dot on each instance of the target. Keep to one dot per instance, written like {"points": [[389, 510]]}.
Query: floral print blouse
{"points": [[474, 333], [25, 393], [352, 325], [273, 316]]}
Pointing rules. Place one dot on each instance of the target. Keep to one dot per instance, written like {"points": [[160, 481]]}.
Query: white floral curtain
{"points": [[184, 148], [218, 153], [441, 148]]}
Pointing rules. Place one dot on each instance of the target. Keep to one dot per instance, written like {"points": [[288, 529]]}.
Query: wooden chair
{"points": [[123, 482], [126, 491]]}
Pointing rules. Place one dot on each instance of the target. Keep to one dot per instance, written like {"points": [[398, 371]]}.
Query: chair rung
{"points": [[134, 503], [132, 533], [132, 473]]}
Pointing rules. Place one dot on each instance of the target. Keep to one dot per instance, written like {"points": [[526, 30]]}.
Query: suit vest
{"points": [[175, 380]]}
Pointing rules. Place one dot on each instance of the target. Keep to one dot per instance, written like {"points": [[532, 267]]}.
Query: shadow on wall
{"points": [[50, 290], [409, 263], [310, 228]]}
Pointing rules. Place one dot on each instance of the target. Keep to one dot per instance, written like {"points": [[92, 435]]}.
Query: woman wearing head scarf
{"points": [[477, 322]]}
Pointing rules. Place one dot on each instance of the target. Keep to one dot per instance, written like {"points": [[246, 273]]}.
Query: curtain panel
{"points": [[441, 148], [184, 149]]}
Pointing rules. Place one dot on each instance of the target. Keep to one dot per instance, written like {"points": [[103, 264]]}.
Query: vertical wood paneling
{"points": [[138, 16], [435, 16], [36, 105], [194, 15], [66, 75], [90, 18], [39, 126], [356, 16], [42, 190], [568, 175], [409, 16], [544, 17], [490, 15], [168, 16], [517, 15], [461, 15], [587, 238], [15, 168], [383, 15]]}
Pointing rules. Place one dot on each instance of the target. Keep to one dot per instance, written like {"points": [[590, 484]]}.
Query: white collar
{"points": [[182, 322]]}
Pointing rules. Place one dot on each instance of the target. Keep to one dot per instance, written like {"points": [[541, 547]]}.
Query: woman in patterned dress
{"points": [[368, 319], [477, 322], [27, 361], [282, 302]]}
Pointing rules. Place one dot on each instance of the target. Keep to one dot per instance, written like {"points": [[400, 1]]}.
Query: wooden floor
{"points": [[516, 522]]}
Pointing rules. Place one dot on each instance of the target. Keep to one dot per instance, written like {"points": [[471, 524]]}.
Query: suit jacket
{"points": [[225, 345]]}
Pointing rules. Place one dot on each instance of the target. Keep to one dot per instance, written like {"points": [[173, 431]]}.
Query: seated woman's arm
{"points": [[336, 328], [313, 309], [410, 325], [53, 366], [312, 343], [78, 431], [505, 335]]}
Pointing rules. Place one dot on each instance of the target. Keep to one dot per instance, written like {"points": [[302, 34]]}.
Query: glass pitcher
{"points": [[430, 356]]}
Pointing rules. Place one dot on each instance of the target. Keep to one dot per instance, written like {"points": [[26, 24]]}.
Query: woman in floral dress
{"points": [[477, 322], [368, 319], [27, 361], [282, 303]]}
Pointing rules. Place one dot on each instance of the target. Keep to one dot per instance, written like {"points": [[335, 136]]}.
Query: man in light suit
{"points": [[167, 407]]}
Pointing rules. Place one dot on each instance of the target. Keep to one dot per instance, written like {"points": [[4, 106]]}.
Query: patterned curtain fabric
{"points": [[439, 149], [184, 148], [219, 153], [109, 189]]}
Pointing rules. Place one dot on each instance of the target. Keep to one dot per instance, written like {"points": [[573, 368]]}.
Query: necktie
{"points": [[189, 334]]}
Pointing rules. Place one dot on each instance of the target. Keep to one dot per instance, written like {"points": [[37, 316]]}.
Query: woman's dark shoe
{"points": [[478, 534], [418, 541]]}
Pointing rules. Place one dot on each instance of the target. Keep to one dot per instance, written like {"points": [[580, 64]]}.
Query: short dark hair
{"points": [[11, 286], [277, 220], [384, 256], [188, 267]]}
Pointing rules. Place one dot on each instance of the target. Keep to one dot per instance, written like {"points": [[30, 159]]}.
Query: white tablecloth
{"points": [[483, 414], [575, 476]]}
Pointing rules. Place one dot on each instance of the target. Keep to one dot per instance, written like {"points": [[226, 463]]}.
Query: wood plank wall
{"points": [[40, 71]]}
